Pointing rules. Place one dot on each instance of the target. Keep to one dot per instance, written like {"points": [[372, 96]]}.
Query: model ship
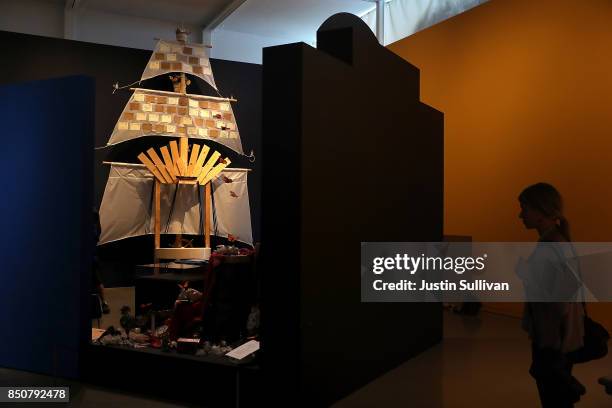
{"points": [[185, 187]]}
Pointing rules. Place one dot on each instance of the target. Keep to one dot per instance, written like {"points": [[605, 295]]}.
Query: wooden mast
{"points": [[207, 214], [180, 86], [157, 216], [164, 174]]}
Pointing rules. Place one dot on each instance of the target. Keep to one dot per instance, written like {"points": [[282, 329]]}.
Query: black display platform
{"points": [[212, 381], [161, 288]]}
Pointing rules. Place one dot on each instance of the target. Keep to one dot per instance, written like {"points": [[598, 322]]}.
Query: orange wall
{"points": [[526, 90]]}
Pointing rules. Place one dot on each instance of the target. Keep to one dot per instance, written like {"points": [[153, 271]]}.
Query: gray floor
{"points": [[85, 396], [482, 362]]}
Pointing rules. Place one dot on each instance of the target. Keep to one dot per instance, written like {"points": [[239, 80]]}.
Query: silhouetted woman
{"points": [[555, 328]]}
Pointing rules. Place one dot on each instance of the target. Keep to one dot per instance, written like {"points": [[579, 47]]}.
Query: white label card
{"points": [[96, 333], [243, 351]]}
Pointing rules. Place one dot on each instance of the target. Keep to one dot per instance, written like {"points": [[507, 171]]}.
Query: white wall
{"points": [[38, 17], [47, 18], [125, 31], [242, 47], [405, 17]]}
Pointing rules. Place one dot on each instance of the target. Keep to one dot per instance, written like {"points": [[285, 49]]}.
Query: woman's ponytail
{"points": [[564, 227]]}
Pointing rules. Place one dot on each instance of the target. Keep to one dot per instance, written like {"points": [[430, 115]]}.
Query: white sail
{"points": [[127, 205], [171, 56], [128, 190], [231, 206], [151, 113]]}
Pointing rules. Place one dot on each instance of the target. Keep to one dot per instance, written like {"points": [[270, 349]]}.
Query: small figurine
{"points": [[253, 321], [188, 294], [165, 345], [143, 320], [182, 34], [137, 337], [177, 83], [127, 321]]}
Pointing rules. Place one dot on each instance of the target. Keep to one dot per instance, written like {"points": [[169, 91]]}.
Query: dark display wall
{"points": [[46, 223], [34, 58], [361, 159]]}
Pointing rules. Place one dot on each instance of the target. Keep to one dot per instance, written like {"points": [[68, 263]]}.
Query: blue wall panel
{"points": [[46, 198]]}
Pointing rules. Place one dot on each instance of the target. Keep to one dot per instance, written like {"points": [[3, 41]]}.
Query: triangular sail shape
{"points": [[171, 56], [232, 209], [151, 113], [126, 205]]}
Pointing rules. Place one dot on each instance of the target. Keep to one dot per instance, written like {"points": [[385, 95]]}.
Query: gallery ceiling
{"points": [[289, 18], [192, 12], [237, 29], [268, 18]]}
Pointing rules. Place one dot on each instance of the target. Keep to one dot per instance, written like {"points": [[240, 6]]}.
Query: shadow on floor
{"points": [[482, 362], [81, 395]]}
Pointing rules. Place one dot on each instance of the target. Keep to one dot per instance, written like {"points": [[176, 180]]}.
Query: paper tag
{"points": [[96, 333], [187, 340], [246, 349]]}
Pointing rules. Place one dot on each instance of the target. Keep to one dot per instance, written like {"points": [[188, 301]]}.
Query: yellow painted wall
{"points": [[526, 90]]}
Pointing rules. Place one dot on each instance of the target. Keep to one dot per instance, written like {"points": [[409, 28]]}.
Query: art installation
{"points": [[183, 188]]}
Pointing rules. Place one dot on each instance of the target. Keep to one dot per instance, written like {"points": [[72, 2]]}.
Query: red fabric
{"points": [[187, 314], [184, 317]]}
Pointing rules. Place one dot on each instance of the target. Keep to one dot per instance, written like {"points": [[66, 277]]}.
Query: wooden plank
{"points": [[182, 164], [197, 169], [192, 96], [160, 165], [176, 158], [215, 171], [195, 149], [209, 165], [207, 215], [157, 220], [182, 253], [183, 85], [183, 150], [151, 167], [168, 162]]}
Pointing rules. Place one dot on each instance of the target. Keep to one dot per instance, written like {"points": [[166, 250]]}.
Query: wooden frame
{"points": [[180, 167]]}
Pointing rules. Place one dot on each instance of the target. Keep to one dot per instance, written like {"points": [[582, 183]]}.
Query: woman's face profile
{"points": [[531, 217]]}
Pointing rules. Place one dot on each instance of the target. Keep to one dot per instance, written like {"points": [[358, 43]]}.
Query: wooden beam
{"points": [[215, 171], [151, 167], [195, 149], [160, 165], [183, 150], [176, 158], [168, 162], [207, 215], [209, 165], [192, 96], [182, 253], [157, 218], [197, 169]]}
